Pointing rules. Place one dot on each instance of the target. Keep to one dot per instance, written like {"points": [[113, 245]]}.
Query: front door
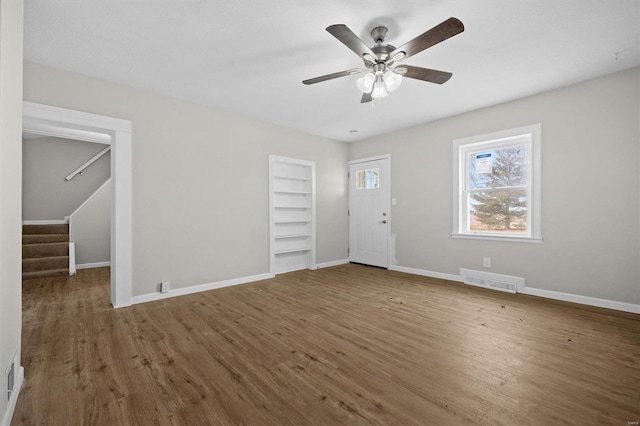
{"points": [[369, 211]]}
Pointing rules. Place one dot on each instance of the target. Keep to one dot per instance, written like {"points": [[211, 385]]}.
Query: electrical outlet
{"points": [[164, 287], [486, 262]]}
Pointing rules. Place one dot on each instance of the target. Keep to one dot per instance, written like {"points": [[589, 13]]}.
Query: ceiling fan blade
{"points": [[366, 97], [435, 35], [332, 76], [349, 39], [425, 74]]}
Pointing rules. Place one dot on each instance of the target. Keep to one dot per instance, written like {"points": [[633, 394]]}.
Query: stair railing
{"points": [[89, 162]]}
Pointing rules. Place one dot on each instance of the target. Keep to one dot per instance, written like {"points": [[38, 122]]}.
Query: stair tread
{"points": [[45, 229], [49, 233], [49, 243], [29, 239], [40, 250], [45, 257], [45, 263], [44, 274]]}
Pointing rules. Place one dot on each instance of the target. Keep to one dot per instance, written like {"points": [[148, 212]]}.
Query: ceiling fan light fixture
{"points": [[379, 89], [392, 80], [380, 78], [365, 84]]}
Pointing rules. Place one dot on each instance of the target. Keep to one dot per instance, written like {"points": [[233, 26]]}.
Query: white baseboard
{"points": [[425, 273], [198, 288], [11, 404], [93, 265], [293, 269], [332, 263], [583, 300], [549, 294], [45, 222]]}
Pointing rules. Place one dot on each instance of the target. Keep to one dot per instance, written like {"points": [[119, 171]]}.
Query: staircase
{"points": [[45, 251]]}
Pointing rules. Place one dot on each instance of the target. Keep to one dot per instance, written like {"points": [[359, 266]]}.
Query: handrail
{"points": [[89, 162]]}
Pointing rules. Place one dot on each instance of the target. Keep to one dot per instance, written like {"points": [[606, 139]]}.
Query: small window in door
{"points": [[368, 178]]}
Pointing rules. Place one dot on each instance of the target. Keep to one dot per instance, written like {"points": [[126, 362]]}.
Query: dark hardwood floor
{"points": [[343, 345]]}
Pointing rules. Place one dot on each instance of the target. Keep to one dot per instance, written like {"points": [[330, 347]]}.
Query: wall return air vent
{"points": [[499, 282], [11, 378]]}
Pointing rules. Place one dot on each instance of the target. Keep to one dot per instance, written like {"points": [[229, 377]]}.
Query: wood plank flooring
{"points": [[344, 345]]}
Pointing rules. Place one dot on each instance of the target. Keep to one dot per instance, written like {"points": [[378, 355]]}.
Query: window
{"points": [[368, 179], [496, 190]]}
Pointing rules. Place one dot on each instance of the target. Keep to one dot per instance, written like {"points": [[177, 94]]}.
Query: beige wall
{"points": [[200, 181], [46, 195], [590, 203], [90, 227], [200, 187], [11, 13]]}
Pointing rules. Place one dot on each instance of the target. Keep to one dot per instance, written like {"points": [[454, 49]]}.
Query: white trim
{"points": [[293, 269], [54, 121], [583, 300], [72, 258], [93, 265], [150, 297], [485, 237], [33, 127], [534, 185], [425, 273], [547, 294], [11, 404], [51, 115], [121, 220], [332, 263], [46, 222], [374, 158]]}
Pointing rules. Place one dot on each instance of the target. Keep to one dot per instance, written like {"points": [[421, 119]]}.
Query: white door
{"points": [[369, 211]]}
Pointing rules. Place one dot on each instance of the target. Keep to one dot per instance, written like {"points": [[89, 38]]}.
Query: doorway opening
{"points": [[45, 120]]}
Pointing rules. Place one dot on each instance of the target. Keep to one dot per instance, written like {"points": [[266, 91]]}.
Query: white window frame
{"points": [[534, 187]]}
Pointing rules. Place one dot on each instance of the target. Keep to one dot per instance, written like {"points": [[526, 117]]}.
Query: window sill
{"points": [[512, 239]]}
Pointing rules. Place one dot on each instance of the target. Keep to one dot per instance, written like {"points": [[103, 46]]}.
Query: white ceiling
{"points": [[250, 57]]}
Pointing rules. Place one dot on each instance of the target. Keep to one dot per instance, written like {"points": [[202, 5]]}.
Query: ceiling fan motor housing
{"points": [[378, 34], [382, 51]]}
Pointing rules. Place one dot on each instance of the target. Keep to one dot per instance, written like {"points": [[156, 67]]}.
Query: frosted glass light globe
{"points": [[379, 90], [392, 80], [365, 84]]}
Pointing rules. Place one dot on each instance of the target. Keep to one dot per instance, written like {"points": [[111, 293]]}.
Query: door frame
{"points": [[46, 120], [388, 200]]}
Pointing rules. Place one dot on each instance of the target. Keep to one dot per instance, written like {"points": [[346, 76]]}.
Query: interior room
{"points": [[392, 212]]}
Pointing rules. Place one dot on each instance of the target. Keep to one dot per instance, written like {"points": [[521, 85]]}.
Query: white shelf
{"points": [[277, 222], [292, 250], [293, 192], [292, 178], [292, 207], [280, 237]]}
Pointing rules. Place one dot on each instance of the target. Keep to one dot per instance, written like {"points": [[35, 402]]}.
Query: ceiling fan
{"points": [[384, 75]]}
